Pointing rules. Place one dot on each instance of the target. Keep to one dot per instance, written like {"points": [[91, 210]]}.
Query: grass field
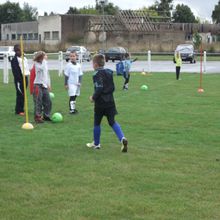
{"points": [[171, 172]]}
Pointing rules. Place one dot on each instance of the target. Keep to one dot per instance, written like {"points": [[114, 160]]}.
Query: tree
{"points": [[10, 12], [197, 40], [29, 13], [88, 10], [183, 14], [216, 13], [163, 7], [73, 10], [109, 9]]}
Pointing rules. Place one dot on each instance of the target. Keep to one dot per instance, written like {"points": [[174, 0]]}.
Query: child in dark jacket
{"points": [[16, 66], [104, 103]]}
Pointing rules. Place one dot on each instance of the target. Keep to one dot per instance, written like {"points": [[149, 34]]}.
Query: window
{"points": [[30, 36], [47, 35], [18, 36], [35, 36], [24, 36], [7, 36], [55, 35], [13, 37]]}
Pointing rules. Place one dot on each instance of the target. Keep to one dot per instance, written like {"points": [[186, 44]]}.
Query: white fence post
{"points": [[80, 56], [5, 69], [149, 61], [204, 67], [60, 58]]}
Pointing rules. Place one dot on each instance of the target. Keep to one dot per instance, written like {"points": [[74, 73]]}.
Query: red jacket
{"points": [[32, 78]]}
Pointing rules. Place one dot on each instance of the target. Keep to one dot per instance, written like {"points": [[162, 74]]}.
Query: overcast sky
{"points": [[202, 9]]}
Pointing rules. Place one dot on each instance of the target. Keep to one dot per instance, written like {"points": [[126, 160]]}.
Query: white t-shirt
{"points": [[73, 72], [42, 74], [26, 67]]}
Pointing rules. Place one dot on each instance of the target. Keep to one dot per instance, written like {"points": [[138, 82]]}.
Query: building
{"points": [[12, 31], [49, 29], [135, 30]]}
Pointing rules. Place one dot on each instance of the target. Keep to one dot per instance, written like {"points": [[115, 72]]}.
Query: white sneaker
{"points": [[92, 145], [124, 147]]}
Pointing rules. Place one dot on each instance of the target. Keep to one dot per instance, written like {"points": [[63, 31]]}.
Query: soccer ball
{"points": [[144, 87], [57, 117]]}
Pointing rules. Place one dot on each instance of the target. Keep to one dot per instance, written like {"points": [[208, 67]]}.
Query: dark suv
{"points": [[115, 53], [187, 52]]}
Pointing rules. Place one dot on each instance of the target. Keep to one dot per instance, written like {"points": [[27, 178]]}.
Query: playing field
{"points": [[171, 172]]}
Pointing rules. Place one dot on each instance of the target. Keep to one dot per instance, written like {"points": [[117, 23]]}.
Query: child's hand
{"points": [[91, 99], [78, 84], [66, 86]]}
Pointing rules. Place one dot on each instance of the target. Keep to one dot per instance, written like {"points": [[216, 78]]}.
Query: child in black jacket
{"points": [[104, 103], [18, 80]]}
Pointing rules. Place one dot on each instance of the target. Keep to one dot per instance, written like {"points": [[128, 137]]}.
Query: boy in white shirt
{"points": [[73, 77]]}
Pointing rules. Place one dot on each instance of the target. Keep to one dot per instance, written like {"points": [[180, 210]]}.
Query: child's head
{"points": [[39, 56], [73, 56], [178, 54], [17, 50], [98, 61]]}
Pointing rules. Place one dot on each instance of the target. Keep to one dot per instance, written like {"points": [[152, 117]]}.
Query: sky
{"points": [[202, 9]]}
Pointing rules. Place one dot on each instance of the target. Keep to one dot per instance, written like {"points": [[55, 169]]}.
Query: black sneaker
{"points": [[74, 111], [46, 118], [124, 147]]}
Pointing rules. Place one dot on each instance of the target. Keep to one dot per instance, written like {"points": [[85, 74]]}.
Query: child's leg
{"points": [[47, 104], [38, 95], [19, 107], [97, 128], [118, 131], [115, 126], [127, 81], [127, 77], [72, 104], [177, 72], [38, 103]]}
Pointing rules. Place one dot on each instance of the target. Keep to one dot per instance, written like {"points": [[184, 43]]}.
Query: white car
{"points": [[7, 51], [82, 53]]}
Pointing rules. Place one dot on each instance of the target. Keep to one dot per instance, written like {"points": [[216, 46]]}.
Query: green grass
{"points": [[171, 172]]}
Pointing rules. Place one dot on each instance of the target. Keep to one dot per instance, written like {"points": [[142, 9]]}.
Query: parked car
{"points": [[7, 50], [187, 52], [115, 53], [101, 51], [80, 51]]}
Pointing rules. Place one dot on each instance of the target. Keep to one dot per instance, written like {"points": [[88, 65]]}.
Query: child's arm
{"points": [[80, 80], [16, 70], [134, 60], [66, 77], [66, 81], [98, 82]]}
